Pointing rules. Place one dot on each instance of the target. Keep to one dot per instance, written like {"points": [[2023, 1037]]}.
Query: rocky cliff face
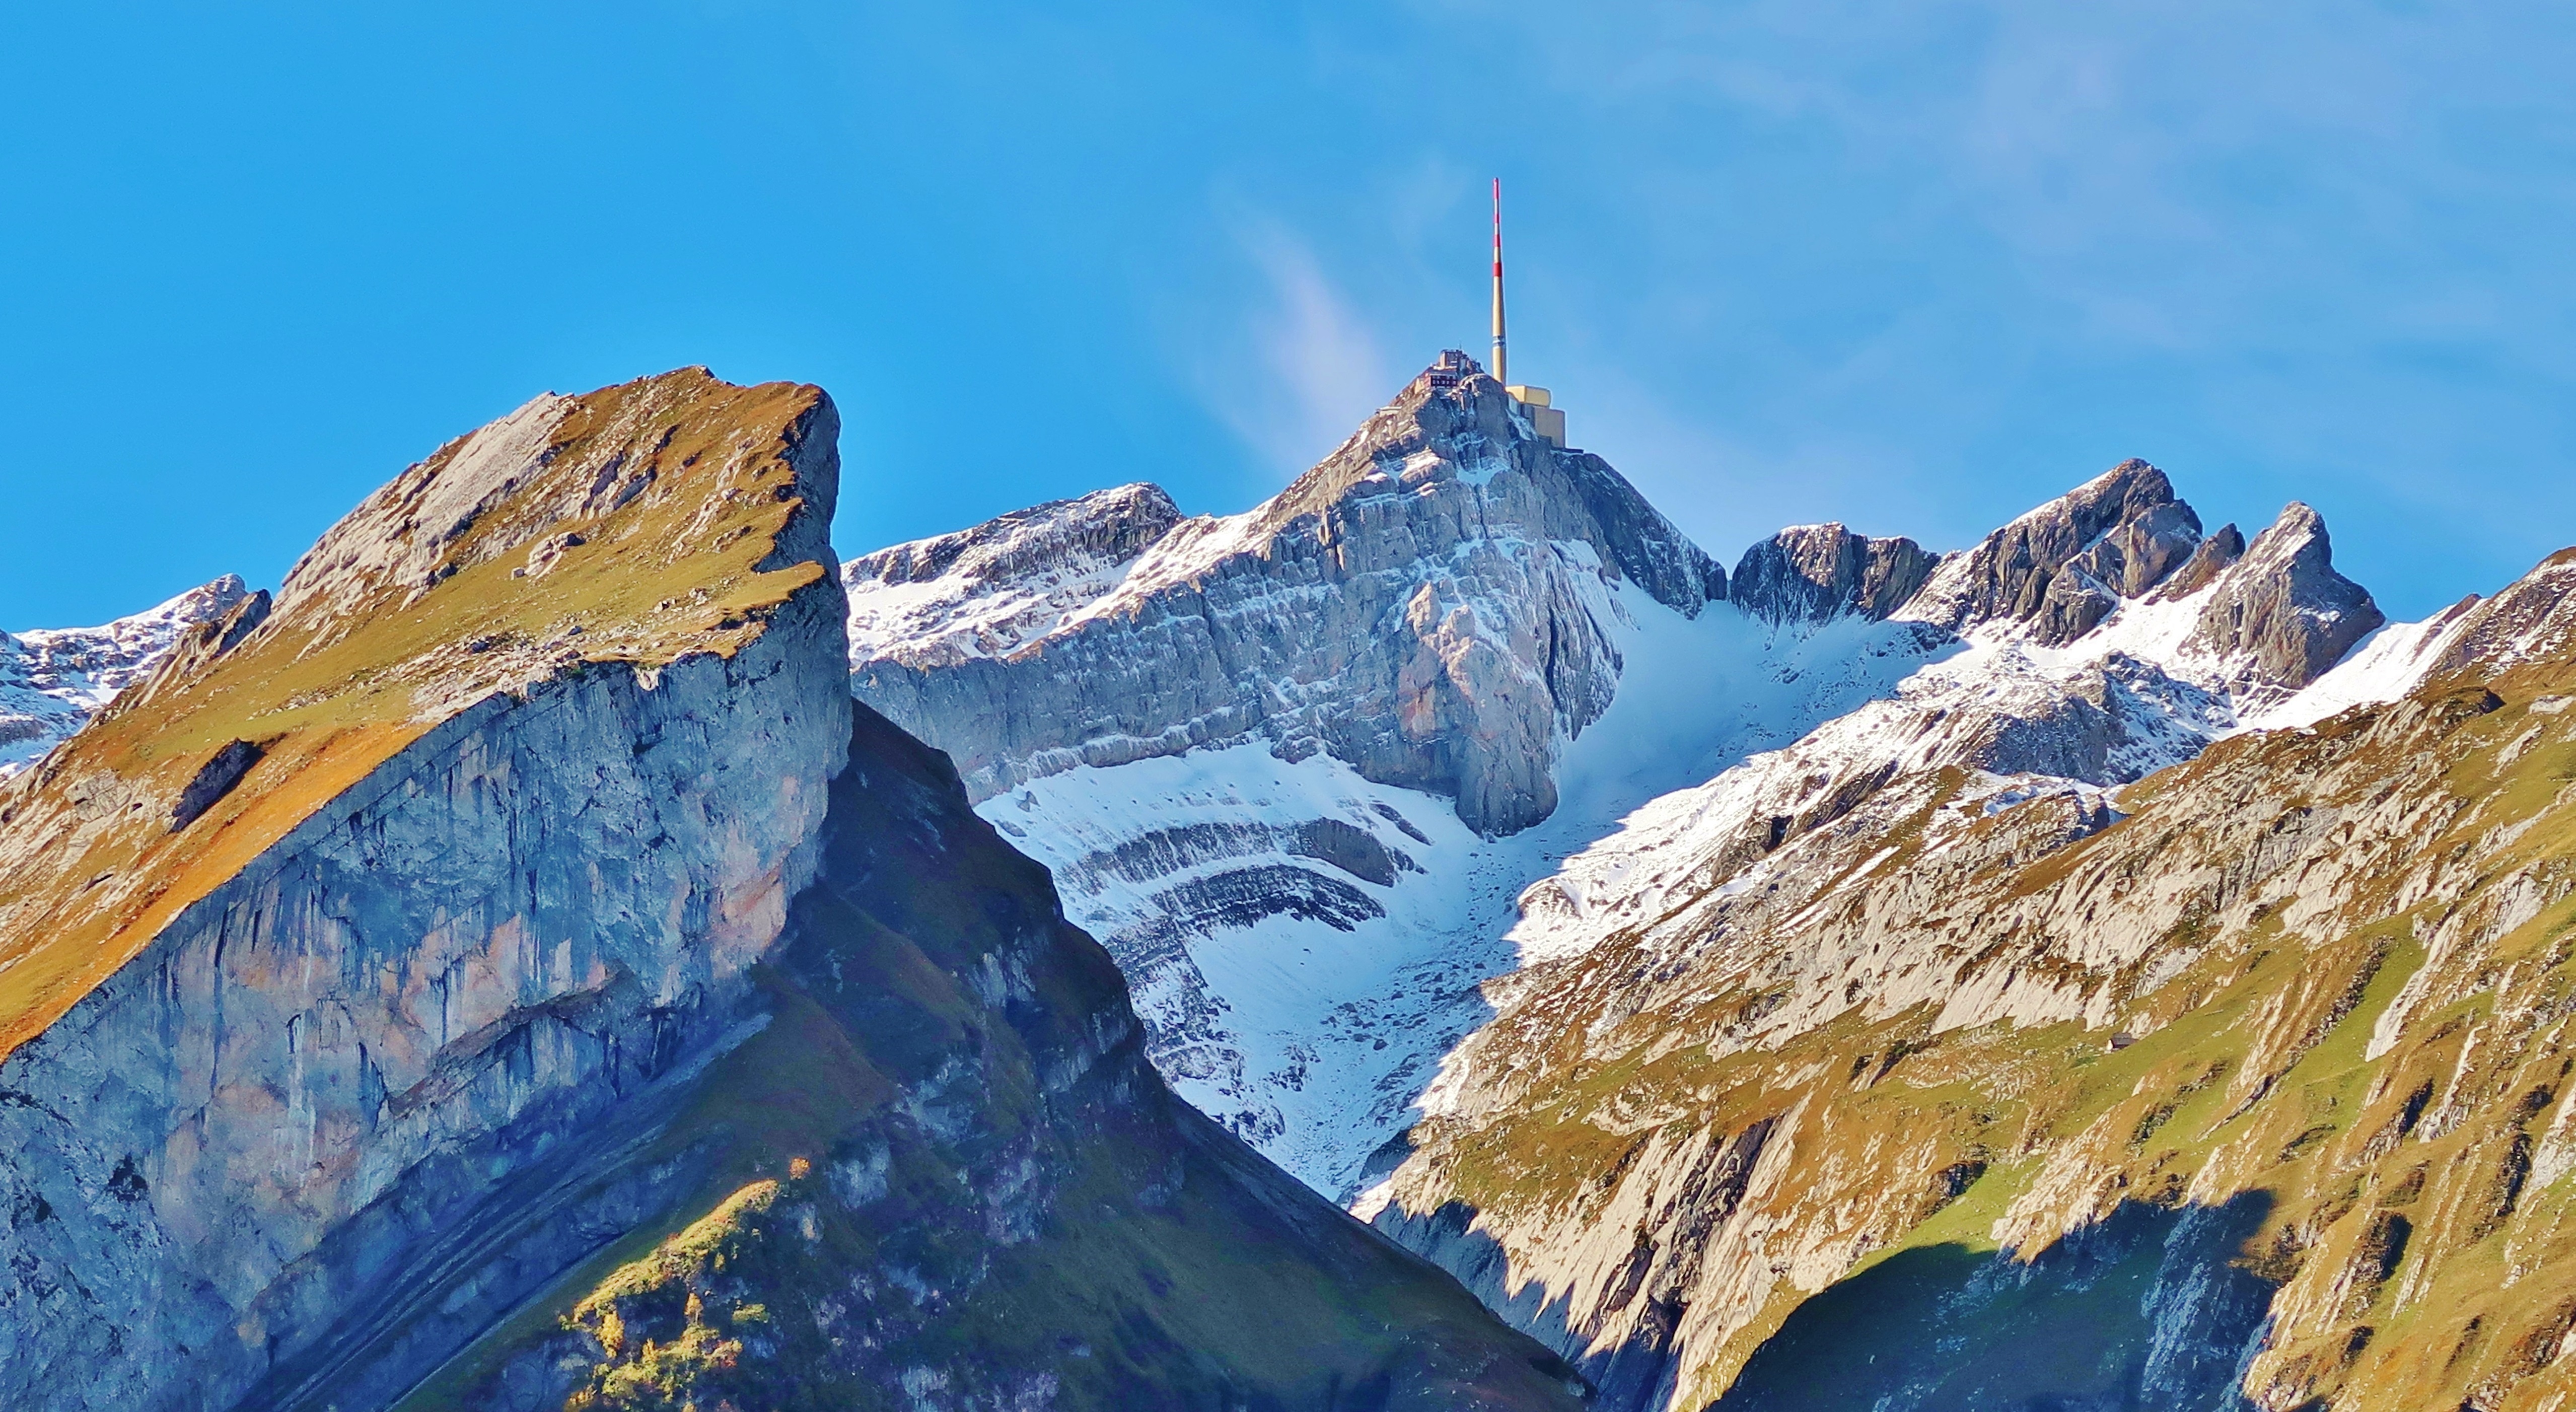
{"points": [[2165, 672], [2284, 616], [536, 747], [1266, 755], [2230, 1085], [1425, 605], [52, 680], [2064, 567], [1810, 573], [1792, 1058], [1304, 993], [457, 954]]}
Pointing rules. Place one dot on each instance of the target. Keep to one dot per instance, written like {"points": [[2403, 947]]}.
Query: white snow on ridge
{"points": [[2381, 667], [1327, 1033], [993, 590], [52, 680], [2133, 679]]}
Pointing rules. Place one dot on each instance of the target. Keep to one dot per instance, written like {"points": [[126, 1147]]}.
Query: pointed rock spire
{"points": [[2063, 567], [2283, 615]]}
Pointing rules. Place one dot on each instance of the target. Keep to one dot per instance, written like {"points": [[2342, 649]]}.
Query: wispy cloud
{"points": [[1309, 366]]}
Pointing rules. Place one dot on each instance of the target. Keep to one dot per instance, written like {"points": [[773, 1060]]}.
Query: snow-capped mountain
{"points": [[1317, 771], [1424, 604], [2101, 638], [54, 679], [1775, 1025]]}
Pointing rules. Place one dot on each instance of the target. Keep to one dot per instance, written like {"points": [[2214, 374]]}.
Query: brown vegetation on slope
{"points": [[651, 528], [2324, 970]]}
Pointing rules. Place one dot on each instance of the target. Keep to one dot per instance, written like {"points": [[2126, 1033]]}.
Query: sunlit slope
{"points": [[636, 525], [2295, 1012]]}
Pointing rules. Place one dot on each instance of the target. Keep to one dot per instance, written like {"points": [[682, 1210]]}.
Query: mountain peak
{"points": [[2060, 568], [1444, 513], [1808, 573], [2283, 614]]}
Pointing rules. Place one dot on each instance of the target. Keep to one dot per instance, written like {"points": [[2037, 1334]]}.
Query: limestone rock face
{"points": [[2534, 619], [941, 1174], [2216, 555], [510, 971], [1930, 1065], [2063, 567], [2284, 613], [1813, 572], [1305, 996], [991, 590], [460, 901], [1425, 605]]}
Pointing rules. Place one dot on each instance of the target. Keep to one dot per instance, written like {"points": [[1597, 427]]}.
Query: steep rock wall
{"points": [[2314, 978], [508, 971], [998, 1205], [544, 900], [539, 908], [1415, 605]]}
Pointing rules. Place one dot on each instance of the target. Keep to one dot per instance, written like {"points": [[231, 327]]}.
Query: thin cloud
{"points": [[1321, 365]]}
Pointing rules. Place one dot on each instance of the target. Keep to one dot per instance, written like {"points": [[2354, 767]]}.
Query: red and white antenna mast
{"points": [[1501, 370]]}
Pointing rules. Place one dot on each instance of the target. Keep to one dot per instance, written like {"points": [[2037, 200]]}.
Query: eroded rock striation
{"points": [[2255, 1062], [1424, 605], [495, 974]]}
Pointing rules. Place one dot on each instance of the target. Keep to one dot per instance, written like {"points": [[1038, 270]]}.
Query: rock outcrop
{"points": [[941, 1174], [1424, 604], [1808, 573], [2284, 615], [2256, 1063], [503, 942], [2062, 568], [1306, 1003], [509, 848]]}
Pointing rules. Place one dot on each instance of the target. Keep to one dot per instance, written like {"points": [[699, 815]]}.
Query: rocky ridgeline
{"points": [[2194, 638], [1890, 1015], [54, 679], [2260, 1056], [506, 971], [2095, 639], [1424, 605]]}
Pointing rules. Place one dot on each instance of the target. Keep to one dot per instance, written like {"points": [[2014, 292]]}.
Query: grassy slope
{"points": [[2480, 1299], [88, 865]]}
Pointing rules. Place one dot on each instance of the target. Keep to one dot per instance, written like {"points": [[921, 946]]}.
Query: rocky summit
{"points": [[1434, 939], [504, 969], [2108, 965], [1424, 605]]}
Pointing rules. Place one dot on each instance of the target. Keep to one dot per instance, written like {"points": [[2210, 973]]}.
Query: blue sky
{"points": [[1913, 266]]}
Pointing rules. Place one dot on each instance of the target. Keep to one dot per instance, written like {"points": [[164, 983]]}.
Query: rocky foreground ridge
{"points": [[504, 969]]}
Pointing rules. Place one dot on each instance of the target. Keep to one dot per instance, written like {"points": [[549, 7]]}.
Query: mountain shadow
{"points": [[2149, 1311]]}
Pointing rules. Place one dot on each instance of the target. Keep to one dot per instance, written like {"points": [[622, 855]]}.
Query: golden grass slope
{"points": [[2347, 991], [633, 525]]}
